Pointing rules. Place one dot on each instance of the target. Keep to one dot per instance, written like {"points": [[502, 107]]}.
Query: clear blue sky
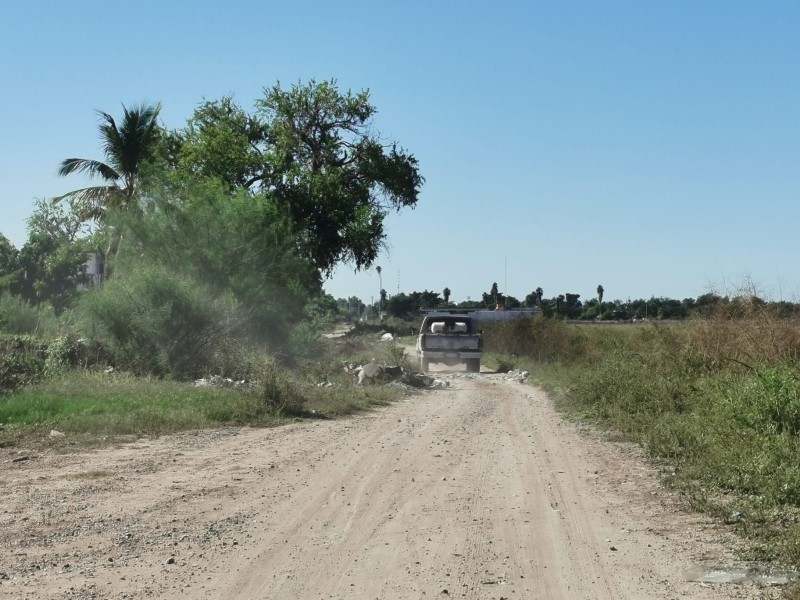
{"points": [[651, 147]]}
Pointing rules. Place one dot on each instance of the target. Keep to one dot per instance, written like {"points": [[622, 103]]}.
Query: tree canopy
{"points": [[51, 263], [239, 214], [313, 151], [9, 264]]}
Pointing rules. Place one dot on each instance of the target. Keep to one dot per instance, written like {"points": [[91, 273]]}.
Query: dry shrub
{"points": [[276, 393], [717, 343], [544, 340], [716, 402]]}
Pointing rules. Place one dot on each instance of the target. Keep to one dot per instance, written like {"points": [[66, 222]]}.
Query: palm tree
{"points": [[539, 292], [600, 292], [446, 293], [382, 292], [126, 148]]}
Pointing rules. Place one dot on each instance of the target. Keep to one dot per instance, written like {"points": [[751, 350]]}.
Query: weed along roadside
{"points": [[474, 486], [716, 416], [714, 402], [101, 406]]}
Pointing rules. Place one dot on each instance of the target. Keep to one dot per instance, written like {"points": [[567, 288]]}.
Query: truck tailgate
{"points": [[450, 342]]}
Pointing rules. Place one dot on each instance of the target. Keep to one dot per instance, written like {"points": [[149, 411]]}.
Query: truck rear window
{"points": [[446, 326]]}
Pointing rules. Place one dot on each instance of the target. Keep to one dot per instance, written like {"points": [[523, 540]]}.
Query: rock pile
{"points": [[375, 373]]}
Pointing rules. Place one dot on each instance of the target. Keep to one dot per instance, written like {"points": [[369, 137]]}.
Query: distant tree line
{"points": [[570, 306]]}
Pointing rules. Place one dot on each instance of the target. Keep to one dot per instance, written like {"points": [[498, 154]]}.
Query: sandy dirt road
{"points": [[477, 491]]}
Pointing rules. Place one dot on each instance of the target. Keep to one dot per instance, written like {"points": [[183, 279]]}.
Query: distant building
{"points": [[94, 270]]}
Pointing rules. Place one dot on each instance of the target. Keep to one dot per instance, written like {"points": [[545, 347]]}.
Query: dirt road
{"points": [[477, 490]]}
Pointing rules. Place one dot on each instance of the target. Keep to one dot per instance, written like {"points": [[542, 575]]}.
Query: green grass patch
{"points": [[94, 408], [116, 405]]}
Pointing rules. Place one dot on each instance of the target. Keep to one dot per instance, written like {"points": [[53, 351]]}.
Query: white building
{"points": [[94, 270]]}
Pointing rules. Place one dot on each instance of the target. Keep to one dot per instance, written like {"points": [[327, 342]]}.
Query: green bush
{"points": [[771, 402], [26, 359], [306, 340], [276, 393], [68, 351], [394, 354], [239, 246], [544, 340], [19, 317], [155, 321], [22, 361]]}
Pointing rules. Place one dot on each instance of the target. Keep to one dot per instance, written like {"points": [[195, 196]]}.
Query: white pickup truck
{"points": [[450, 339]]}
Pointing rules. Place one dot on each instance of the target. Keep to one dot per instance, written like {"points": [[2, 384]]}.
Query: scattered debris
{"points": [[761, 574], [518, 376], [370, 373], [219, 381], [376, 373], [415, 380], [56, 434], [736, 516]]}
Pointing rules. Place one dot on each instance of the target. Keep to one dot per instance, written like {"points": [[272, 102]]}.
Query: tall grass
{"points": [[18, 317], [715, 402], [22, 361]]}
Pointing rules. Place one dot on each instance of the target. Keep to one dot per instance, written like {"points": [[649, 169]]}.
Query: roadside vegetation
{"points": [[199, 253], [714, 401], [64, 392], [212, 243]]}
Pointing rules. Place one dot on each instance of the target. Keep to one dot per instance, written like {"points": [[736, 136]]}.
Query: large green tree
{"points": [[52, 261], [313, 150], [333, 173], [408, 305], [222, 142], [534, 298], [9, 264], [127, 147]]}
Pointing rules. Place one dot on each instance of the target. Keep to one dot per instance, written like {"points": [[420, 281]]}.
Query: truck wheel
{"points": [[473, 365], [423, 364]]}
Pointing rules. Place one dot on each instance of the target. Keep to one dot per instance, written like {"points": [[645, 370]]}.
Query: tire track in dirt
{"points": [[347, 514], [581, 547], [530, 543]]}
